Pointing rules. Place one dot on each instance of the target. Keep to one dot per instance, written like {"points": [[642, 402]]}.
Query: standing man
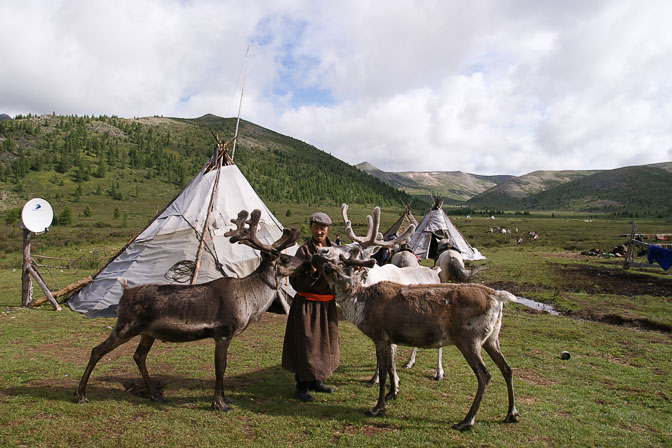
{"points": [[310, 349]]}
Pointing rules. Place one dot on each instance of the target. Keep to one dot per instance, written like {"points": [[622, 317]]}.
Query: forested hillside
{"points": [[96, 165]]}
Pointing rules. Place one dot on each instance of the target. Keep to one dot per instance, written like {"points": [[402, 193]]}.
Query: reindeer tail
{"points": [[124, 283], [505, 296]]}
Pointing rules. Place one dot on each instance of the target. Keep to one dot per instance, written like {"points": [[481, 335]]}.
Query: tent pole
{"points": [[240, 105], [199, 253]]}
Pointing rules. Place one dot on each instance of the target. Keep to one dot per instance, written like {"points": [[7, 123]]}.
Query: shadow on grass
{"points": [[269, 391]]}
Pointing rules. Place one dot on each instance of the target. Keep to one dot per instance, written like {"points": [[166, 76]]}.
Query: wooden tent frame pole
{"points": [[240, 105], [199, 253]]}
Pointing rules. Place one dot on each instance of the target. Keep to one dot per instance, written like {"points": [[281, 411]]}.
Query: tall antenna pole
{"points": [[240, 105]]}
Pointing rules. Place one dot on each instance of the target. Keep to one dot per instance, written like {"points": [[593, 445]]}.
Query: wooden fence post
{"points": [[26, 283], [28, 271]]}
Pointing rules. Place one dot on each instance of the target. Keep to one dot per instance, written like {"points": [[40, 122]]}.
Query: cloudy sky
{"points": [[485, 87]]}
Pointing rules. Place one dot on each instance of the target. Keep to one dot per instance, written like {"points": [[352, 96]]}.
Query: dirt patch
{"points": [[514, 288], [594, 280], [597, 280], [614, 319], [601, 280]]}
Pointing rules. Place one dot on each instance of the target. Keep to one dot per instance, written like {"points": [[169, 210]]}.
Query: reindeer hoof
{"points": [[158, 397], [512, 417], [408, 365], [437, 378], [375, 413], [82, 400], [463, 426], [221, 406]]}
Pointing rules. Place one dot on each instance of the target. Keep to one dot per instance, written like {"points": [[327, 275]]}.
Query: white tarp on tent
{"points": [[436, 226], [174, 237]]}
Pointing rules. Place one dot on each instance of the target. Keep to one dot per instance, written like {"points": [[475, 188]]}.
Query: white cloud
{"points": [[482, 87]]}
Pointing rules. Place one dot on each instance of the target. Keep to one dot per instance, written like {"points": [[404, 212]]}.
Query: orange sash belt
{"points": [[317, 297]]}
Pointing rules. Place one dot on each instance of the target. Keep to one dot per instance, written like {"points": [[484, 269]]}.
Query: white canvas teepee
{"points": [[171, 241], [434, 227]]}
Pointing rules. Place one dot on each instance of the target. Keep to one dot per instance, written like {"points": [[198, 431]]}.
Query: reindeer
{"points": [[468, 316], [404, 257], [365, 247], [220, 309], [452, 269]]}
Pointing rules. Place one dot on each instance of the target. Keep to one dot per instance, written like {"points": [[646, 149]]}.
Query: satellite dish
{"points": [[37, 215]]}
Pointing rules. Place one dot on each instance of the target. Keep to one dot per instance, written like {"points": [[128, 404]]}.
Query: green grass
{"points": [[614, 391]]}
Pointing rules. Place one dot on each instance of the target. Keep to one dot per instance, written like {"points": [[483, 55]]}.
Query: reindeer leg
{"points": [[392, 371], [472, 354], [438, 376], [374, 378], [140, 356], [411, 359], [114, 340], [492, 348], [383, 351], [221, 349]]}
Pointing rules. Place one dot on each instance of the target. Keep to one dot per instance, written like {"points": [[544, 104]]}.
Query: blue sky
{"points": [[482, 87]]}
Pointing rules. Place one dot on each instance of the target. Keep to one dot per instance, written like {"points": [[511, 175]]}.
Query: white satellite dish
{"points": [[37, 215]]}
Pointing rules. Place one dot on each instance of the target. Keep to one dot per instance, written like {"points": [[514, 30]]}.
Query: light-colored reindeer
{"points": [[364, 248], [468, 316]]}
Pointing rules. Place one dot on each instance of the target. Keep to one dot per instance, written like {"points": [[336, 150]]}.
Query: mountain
{"points": [[452, 185], [96, 165], [4, 117], [644, 190]]}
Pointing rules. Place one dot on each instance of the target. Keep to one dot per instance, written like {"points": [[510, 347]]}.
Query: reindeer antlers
{"points": [[359, 263], [372, 235], [373, 224], [248, 236]]}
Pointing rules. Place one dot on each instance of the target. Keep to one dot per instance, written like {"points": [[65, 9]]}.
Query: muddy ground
{"points": [[604, 280]]}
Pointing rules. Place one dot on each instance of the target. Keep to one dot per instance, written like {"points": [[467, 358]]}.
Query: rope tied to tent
{"points": [[211, 250], [181, 271]]}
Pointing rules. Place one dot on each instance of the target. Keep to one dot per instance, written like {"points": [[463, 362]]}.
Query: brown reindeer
{"points": [[220, 309], [468, 316]]}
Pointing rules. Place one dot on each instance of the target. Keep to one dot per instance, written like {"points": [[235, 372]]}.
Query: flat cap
{"points": [[320, 218]]}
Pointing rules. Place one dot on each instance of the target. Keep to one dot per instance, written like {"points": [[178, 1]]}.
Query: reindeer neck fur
{"points": [[348, 292], [260, 287]]}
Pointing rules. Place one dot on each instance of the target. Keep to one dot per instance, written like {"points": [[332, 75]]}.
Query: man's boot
{"points": [[302, 391], [318, 386]]}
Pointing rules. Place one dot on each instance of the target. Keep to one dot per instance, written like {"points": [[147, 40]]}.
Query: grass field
{"points": [[614, 390]]}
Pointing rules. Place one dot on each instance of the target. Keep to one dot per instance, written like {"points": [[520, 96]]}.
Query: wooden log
{"points": [[45, 289], [61, 292], [651, 236], [643, 265]]}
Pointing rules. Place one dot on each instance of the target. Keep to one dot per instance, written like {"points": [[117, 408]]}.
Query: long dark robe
{"points": [[310, 349]]}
